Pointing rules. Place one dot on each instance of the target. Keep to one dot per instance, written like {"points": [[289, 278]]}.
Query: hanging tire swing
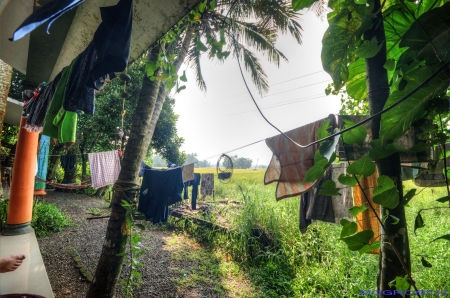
{"points": [[224, 168]]}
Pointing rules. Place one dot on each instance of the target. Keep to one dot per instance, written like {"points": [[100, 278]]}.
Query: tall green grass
{"points": [[316, 264]]}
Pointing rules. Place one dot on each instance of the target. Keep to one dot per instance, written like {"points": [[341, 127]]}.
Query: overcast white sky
{"points": [[225, 117]]}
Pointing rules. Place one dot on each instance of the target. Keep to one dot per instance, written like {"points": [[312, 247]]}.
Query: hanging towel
{"points": [[112, 41], [289, 162], [50, 129], [66, 122], [142, 168], [188, 172], [68, 161], [367, 220], [160, 189], [207, 185], [49, 12], [105, 168]]}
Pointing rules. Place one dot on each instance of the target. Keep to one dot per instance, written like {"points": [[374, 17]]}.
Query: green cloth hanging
{"points": [[58, 123]]}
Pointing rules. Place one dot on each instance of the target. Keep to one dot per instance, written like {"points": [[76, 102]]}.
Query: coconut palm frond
{"points": [[252, 65], [320, 9], [194, 62], [250, 36]]}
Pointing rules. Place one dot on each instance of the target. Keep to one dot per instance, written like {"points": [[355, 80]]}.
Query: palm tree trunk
{"points": [[390, 266], [162, 88], [5, 83], [110, 265]]}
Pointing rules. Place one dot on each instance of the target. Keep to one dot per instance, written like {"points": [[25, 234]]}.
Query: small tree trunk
{"points": [[110, 265], [162, 93], [53, 161], [378, 91], [5, 84]]}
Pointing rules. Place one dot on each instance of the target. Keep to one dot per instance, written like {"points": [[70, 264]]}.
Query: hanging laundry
{"points": [[408, 140], [367, 220], [142, 168], [314, 206], [207, 185], [341, 203], [68, 161], [36, 114], [159, 190], [79, 97], [224, 176], [105, 168], [55, 131], [289, 162], [112, 41], [188, 172], [49, 12], [195, 183]]}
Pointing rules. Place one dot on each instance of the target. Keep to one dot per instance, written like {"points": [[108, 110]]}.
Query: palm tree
{"points": [[253, 24], [267, 19]]}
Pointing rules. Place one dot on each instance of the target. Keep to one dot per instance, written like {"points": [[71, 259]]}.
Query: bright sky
{"points": [[225, 118]]}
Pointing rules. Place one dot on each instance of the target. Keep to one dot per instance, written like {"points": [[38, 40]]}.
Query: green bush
{"points": [[48, 219]]}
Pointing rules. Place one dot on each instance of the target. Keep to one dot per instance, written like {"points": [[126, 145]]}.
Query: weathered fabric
{"points": [[341, 203], [188, 172], [49, 12], [290, 163], [105, 168], [37, 112], [367, 220], [207, 185]]}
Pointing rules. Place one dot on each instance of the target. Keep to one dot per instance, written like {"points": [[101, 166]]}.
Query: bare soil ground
{"points": [[174, 265]]}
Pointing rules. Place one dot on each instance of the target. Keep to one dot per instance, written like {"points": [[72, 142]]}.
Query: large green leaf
{"points": [[395, 122], [356, 135], [369, 48], [341, 39], [355, 210], [388, 199], [428, 40], [384, 183], [359, 240], [363, 166], [348, 228], [356, 84], [369, 247], [329, 189], [429, 36], [347, 180]]}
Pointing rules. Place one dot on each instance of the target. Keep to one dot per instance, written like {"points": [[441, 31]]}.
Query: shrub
{"points": [[48, 219]]}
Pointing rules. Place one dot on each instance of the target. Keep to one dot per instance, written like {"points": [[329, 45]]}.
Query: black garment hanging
{"points": [[112, 41], [79, 97], [68, 161], [49, 12], [160, 189]]}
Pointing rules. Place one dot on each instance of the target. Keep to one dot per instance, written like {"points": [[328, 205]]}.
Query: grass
{"points": [[316, 264]]}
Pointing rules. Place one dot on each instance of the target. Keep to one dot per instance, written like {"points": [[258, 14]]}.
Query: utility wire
{"points": [[351, 127], [279, 83]]}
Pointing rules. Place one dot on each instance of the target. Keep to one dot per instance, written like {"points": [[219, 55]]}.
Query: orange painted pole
{"points": [[22, 185]]}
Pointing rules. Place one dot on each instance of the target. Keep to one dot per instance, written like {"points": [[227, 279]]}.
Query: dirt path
{"points": [[174, 265]]}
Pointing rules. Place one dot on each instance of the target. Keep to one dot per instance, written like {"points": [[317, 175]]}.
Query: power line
{"points": [[282, 82]]}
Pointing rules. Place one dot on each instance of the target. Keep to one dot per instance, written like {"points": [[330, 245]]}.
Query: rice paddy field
{"points": [[266, 246]]}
